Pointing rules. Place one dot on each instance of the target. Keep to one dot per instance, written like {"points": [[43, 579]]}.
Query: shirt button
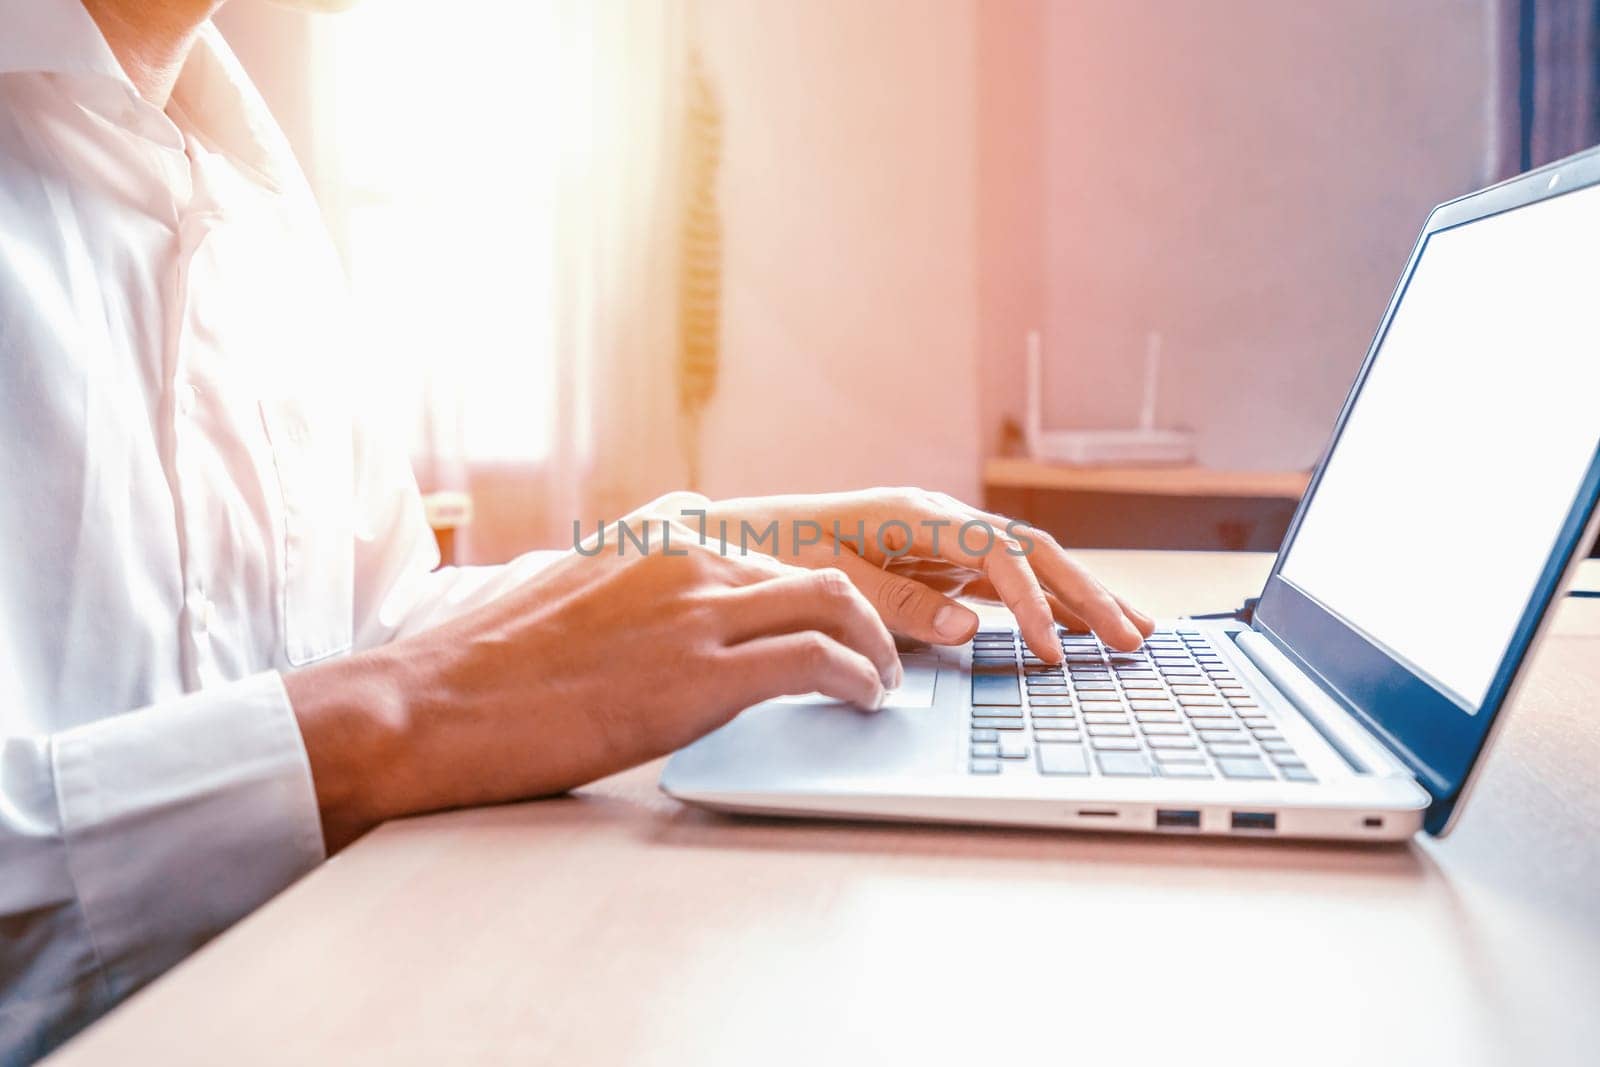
{"points": [[188, 399], [205, 615]]}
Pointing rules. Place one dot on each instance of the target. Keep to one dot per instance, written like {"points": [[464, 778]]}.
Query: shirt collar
{"points": [[213, 95]]}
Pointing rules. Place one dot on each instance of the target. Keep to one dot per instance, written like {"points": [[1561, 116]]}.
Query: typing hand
{"points": [[906, 549], [597, 663]]}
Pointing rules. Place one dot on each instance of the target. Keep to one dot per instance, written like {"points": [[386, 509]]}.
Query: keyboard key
{"points": [[1289, 759], [1298, 774], [1114, 744], [1237, 703], [1178, 755], [1169, 742], [985, 735], [1063, 759], [1189, 701], [998, 689], [1163, 729], [1207, 713], [1048, 691], [1278, 745], [1207, 733], [1193, 690], [1057, 735], [1053, 713], [1158, 716], [1185, 770], [997, 713], [1102, 707], [985, 766], [1094, 686], [997, 724], [986, 750], [1149, 705], [1049, 700], [1107, 730], [1013, 746], [1220, 749], [1123, 764], [1243, 767], [1142, 684], [1114, 718]]}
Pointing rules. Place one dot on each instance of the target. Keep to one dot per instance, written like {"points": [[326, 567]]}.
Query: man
{"points": [[226, 649]]}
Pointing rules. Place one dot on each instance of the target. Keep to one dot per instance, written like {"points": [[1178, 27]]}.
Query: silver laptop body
{"points": [[1449, 512]]}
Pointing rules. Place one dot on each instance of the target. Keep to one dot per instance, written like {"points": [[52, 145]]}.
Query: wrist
{"points": [[355, 723]]}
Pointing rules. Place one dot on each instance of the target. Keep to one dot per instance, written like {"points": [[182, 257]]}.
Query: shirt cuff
{"points": [[181, 818]]}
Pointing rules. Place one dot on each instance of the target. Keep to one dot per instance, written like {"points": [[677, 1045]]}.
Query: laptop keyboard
{"points": [[1172, 709]]}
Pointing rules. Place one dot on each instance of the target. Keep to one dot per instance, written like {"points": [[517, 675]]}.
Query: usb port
{"points": [[1178, 817], [1255, 820]]}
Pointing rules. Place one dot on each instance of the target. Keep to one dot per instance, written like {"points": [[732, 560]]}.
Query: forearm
{"points": [[465, 714]]}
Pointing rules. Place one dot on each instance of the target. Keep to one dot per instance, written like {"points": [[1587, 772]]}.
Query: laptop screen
{"points": [[1460, 459]]}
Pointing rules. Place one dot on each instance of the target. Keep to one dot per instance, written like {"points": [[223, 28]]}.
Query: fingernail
{"points": [[877, 704], [952, 622], [899, 675]]}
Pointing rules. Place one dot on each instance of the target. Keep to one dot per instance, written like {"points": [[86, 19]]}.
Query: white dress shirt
{"points": [[191, 505]]}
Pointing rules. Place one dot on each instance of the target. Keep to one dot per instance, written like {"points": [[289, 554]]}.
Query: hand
{"points": [[907, 548], [597, 664]]}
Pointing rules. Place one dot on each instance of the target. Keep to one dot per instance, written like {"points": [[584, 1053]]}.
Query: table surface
{"points": [[617, 926], [1019, 473]]}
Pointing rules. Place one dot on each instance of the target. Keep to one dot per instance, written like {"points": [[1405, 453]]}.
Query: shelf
{"points": [[1144, 481]]}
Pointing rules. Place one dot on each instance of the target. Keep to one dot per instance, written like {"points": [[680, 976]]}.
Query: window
{"points": [[442, 139]]}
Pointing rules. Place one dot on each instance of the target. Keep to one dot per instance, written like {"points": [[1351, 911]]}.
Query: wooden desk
{"points": [[1011, 473], [615, 926]]}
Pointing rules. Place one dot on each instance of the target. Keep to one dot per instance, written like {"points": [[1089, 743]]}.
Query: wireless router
{"points": [[1143, 445]]}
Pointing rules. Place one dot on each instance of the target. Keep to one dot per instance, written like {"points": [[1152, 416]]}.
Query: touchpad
{"points": [[922, 669]]}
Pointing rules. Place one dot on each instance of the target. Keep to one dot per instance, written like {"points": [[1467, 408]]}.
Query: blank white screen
{"points": [[1463, 454]]}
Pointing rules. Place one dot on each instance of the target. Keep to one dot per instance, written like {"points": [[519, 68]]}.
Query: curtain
{"points": [[509, 187], [619, 195], [1550, 82]]}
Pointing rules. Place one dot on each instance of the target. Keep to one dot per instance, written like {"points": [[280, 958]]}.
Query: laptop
{"points": [[1451, 507]]}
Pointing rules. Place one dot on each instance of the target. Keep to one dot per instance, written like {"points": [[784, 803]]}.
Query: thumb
{"points": [[907, 606]]}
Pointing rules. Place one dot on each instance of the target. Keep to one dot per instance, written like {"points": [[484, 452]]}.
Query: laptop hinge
{"points": [[1364, 753]]}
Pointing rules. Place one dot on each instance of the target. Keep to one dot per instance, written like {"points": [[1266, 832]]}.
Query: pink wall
{"points": [[1244, 176], [849, 199]]}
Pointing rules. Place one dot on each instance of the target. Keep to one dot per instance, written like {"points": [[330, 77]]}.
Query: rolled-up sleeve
{"points": [[128, 842]]}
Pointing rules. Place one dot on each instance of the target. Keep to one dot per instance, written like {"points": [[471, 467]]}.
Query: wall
{"points": [[1244, 176], [849, 199]]}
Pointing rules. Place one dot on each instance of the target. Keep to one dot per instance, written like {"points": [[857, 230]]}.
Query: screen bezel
{"points": [[1423, 727]]}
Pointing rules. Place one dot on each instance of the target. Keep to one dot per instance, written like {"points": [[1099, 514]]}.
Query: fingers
{"points": [[1079, 592], [1145, 624], [768, 667], [824, 601], [1066, 616], [1072, 587], [909, 607], [967, 538]]}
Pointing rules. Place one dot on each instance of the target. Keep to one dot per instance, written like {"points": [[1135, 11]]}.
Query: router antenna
{"points": [[1033, 421], [1152, 378]]}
